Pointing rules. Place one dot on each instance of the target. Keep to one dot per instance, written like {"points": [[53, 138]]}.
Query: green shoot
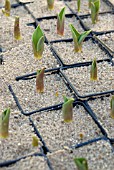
{"points": [[38, 42], [4, 123], [60, 22], [81, 163], [78, 5], [89, 3], [50, 4], [112, 107], [35, 141], [95, 6], [40, 81], [17, 34], [6, 10], [67, 109], [93, 71], [78, 38]]}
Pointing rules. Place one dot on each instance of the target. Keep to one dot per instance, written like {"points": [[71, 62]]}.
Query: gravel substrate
{"points": [[108, 39], [20, 60], [103, 114], [19, 142], [50, 28], [39, 8], [84, 9], [104, 23], [28, 163], [99, 156], [7, 32], [89, 51], [33, 100], [58, 134], [82, 83]]}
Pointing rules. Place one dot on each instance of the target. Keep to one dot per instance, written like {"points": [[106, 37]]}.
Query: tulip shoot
{"points": [[78, 38], [95, 6], [67, 109], [93, 71], [81, 163], [17, 34], [4, 123], [6, 10], [78, 5], [112, 107], [60, 22], [38, 42], [50, 4], [40, 81], [35, 141]]}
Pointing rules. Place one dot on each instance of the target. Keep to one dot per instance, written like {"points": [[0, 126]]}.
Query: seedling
{"points": [[93, 71], [4, 123], [35, 141], [40, 81], [81, 163], [78, 38], [112, 107], [67, 109], [50, 4], [6, 10], [60, 22], [17, 34], [89, 3], [95, 6], [38, 42], [78, 5]]}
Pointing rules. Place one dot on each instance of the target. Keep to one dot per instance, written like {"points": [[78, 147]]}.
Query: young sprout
{"points": [[89, 3], [6, 10], [40, 81], [35, 141], [17, 34], [67, 109], [78, 5], [95, 6], [4, 123], [38, 42], [60, 22], [81, 163], [50, 4], [78, 38], [112, 107], [93, 71]]}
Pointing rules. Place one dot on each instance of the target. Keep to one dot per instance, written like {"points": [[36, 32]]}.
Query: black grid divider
{"points": [[85, 27], [92, 115], [18, 4], [55, 107]]}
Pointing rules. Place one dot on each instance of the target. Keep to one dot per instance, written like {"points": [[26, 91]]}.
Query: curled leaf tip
{"points": [[17, 34], [93, 71], [81, 163]]}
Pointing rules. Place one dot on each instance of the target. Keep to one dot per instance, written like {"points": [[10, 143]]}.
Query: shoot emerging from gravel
{"points": [[4, 123], [81, 163], [17, 34], [95, 6], [112, 107], [93, 71], [6, 10], [40, 81], [78, 5], [38, 42], [50, 4], [60, 22], [67, 109], [35, 141], [78, 38]]}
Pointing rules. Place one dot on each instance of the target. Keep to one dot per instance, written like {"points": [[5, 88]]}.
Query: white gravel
{"points": [[103, 114], [89, 51], [58, 134], [104, 23], [99, 156], [82, 83]]}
